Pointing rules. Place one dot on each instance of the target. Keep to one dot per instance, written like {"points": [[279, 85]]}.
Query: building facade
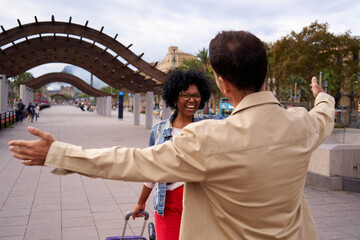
{"points": [[173, 59], [69, 91]]}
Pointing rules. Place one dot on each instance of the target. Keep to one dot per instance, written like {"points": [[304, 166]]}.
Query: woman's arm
{"points": [[145, 193]]}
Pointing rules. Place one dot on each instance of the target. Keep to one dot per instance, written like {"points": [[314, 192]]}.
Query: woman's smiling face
{"points": [[188, 101]]}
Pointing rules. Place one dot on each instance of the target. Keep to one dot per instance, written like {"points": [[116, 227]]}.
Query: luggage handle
{"points": [[127, 216]]}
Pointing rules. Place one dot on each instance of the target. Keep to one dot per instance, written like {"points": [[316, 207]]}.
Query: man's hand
{"points": [[315, 87], [32, 152]]}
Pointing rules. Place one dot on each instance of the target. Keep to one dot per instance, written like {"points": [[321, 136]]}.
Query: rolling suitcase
{"points": [[134, 237]]}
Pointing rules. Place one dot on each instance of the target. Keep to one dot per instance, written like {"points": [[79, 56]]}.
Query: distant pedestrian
{"points": [[82, 106], [37, 112], [19, 110], [31, 111]]}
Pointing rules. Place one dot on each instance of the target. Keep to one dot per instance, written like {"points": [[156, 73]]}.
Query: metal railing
{"points": [[7, 118]]}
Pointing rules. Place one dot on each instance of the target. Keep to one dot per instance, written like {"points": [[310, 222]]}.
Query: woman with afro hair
{"points": [[185, 92]]}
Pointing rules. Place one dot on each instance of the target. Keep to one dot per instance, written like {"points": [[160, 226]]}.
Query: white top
{"points": [[170, 187], [37, 109]]}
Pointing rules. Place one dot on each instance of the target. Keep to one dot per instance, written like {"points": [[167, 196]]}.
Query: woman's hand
{"points": [[137, 208]]}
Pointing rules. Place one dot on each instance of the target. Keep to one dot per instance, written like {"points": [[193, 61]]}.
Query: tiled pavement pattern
{"points": [[35, 204]]}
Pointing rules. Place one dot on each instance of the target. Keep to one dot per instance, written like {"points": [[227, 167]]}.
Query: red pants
{"points": [[168, 226]]}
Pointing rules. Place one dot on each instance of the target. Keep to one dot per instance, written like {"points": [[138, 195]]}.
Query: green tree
{"points": [[84, 95], [203, 56], [352, 88], [270, 84], [312, 51], [302, 54], [192, 64], [110, 90], [57, 97], [22, 78], [16, 81], [298, 86], [333, 83]]}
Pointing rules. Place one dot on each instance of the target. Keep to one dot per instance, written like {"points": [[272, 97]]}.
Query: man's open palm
{"points": [[32, 152]]}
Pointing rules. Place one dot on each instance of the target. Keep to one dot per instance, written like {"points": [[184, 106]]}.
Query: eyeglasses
{"points": [[186, 96]]}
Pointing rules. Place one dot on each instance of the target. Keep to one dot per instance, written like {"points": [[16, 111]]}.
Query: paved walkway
{"points": [[34, 204]]}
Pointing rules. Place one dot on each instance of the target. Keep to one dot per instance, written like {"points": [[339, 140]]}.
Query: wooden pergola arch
{"points": [[60, 95], [34, 44], [67, 78]]}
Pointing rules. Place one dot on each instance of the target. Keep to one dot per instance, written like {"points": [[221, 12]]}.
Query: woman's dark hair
{"points": [[240, 58], [179, 80]]}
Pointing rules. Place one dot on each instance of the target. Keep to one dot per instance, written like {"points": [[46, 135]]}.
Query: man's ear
{"points": [[225, 84]]}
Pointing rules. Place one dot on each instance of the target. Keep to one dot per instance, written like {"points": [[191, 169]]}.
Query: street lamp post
{"points": [[326, 85], [320, 82]]}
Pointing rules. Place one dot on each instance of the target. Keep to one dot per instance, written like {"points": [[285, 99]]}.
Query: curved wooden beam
{"points": [[31, 53], [59, 95], [68, 28], [67, 78]]}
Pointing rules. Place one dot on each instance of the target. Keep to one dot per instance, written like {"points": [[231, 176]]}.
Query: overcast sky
{"points": [[154, 25]]}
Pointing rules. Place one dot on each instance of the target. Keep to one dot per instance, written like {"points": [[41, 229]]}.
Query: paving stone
{"points": [[353, 231], [76, 213], [110, 224], [15, 212], [14, 221], [77, 221], [43, 234], [89, 233], [75, 206], [11, 205], [10, 231], [104, 208], [45, 207], [116, 215], [47, 219], [12, 238]]}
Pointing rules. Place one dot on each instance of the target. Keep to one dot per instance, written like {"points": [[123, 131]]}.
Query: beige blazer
{"points": [[244, 175]]}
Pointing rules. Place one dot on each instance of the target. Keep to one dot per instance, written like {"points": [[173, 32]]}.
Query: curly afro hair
{"points": [[178, 80]]}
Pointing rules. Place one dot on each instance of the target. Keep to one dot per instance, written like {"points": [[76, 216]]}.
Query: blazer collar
{"points": [[255, 99]]}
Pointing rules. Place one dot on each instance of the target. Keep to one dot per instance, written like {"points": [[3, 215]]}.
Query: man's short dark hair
{"points": [[240, 58], [178, 80]]}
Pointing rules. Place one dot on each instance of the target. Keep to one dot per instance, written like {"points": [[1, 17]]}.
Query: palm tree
{"points": [[203, 56], [298, 84], [191, 64], [23, 78], [16, 81]]}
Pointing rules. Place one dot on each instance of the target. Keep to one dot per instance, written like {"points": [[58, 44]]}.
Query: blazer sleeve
{"points": [[324, 115], [133, 164], [320, 119]]}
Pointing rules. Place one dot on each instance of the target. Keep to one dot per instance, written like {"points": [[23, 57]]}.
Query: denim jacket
{"points": [[160, 133]]}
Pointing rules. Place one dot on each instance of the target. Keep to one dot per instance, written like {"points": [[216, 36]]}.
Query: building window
{"points": [[174, 59]]}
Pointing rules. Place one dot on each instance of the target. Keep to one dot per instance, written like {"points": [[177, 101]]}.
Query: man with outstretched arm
{"points": [[244, 175]]}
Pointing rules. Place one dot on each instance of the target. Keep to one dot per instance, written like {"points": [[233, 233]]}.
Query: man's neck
{"points": [[237, 96]]}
